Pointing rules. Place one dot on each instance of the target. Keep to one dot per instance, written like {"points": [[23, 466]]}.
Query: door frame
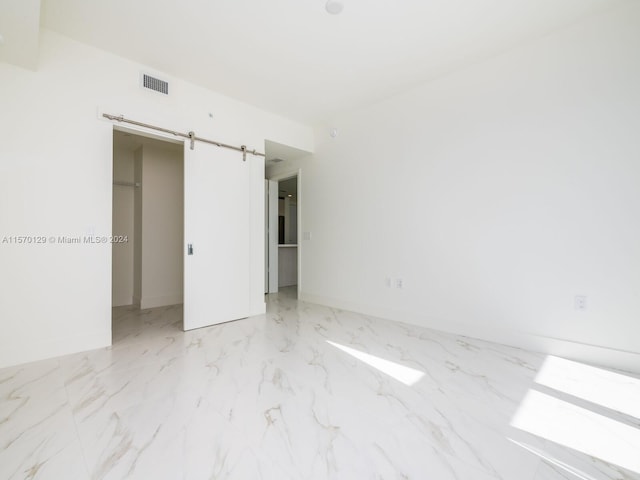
{"points": [[284, 176], [271, 236], [142, 132]]}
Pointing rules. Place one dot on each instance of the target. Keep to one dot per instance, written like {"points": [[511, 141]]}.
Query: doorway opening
{"points": [[284, 235], [148, 236], [283, 224], [288, 234]]}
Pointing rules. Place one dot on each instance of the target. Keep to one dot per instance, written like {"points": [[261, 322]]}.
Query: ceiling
{"points": [[288, 188], [292, 58], [282, 155], [19, 32]]}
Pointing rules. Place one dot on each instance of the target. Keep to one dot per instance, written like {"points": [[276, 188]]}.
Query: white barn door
{"points": [[217, 229]]}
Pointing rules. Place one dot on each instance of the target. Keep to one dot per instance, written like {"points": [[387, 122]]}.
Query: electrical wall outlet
{"points": [[580, 302], [399, 283]]}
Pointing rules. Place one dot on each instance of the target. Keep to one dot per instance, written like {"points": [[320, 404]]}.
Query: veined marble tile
{"points": [[131, 325], [446, 425], [563, 461], [314, 436], [302, 392], [37, 433]]}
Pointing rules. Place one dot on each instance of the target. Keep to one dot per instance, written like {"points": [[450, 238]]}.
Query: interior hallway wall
{"points": [[162, 231], [497, 194], [123, 225]]}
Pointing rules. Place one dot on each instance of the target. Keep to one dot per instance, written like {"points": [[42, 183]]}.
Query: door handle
{"points": [[190, 249]]}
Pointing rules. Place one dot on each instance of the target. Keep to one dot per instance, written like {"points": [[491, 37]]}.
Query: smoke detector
{"points": [[334, 7]]}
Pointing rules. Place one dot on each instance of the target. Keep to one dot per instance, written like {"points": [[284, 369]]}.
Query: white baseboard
{"points": [[592, 354], [17, 353], [162, 301]]}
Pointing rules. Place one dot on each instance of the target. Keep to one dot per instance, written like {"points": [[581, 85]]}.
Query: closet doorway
{"points": [[148, 236]]}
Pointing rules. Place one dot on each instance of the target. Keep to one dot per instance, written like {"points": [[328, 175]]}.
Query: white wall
{"points": [[162, 224], [56, 179], [123, 225], [497, 194]]}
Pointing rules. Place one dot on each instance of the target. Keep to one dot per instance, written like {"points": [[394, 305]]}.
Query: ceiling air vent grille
{"points": [[155, 84]]}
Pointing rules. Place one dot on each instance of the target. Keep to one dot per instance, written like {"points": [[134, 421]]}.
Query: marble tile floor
{"points": [[303, 392]]}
